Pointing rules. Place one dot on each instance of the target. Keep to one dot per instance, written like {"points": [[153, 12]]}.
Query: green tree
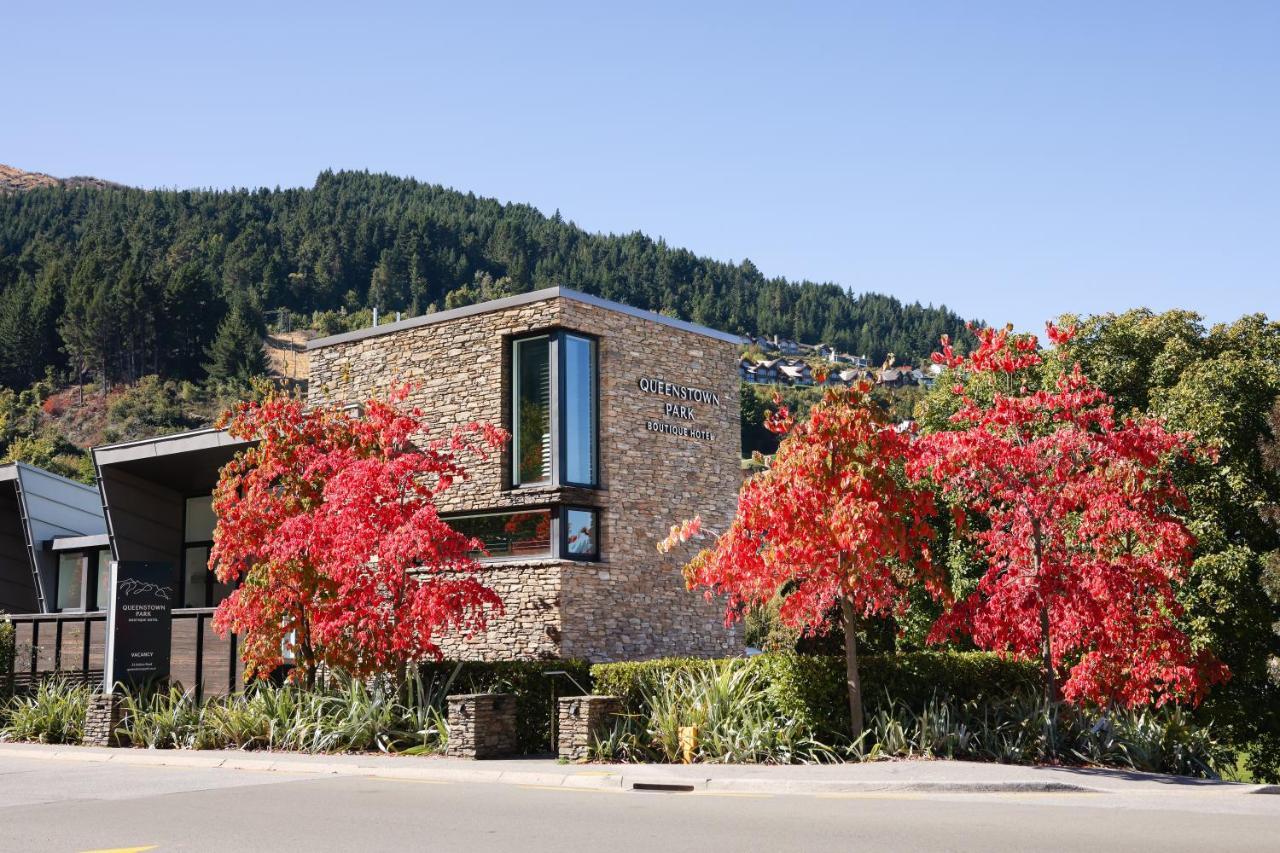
{"points": [[236, 353]]}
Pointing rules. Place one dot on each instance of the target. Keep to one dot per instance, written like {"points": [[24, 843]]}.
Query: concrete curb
{"points": [[606, 778]]}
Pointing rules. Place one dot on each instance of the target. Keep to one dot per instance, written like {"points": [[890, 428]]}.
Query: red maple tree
{"points": [[831, 522], [328, 523], [1079, 527]]}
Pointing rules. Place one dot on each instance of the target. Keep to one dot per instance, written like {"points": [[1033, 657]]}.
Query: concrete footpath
{"points": [[923, 776]]}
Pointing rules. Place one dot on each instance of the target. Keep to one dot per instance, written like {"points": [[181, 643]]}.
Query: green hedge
{"points": [[811, 688], [534, 691]]}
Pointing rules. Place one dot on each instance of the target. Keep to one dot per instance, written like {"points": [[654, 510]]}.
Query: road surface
{"points": [[51, 805]]}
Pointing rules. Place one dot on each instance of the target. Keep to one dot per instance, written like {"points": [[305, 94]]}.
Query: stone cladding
{"points": [[658, 465], [481, 725], [582, 718], [106, 710]]}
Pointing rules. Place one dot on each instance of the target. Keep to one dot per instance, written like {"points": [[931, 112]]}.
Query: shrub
{"points": [[347, 715], [535, 691], [740, 712], [151, 407], [1014, 731], [729, 706], [165, 718], [53, 713], [810, 689], [633, 681]]}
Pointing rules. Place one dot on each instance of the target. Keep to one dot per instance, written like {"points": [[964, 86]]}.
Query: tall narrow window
{"points": [[199, 587], [71, 571], [554, 410], [579, 408], [102, 596], [531, 412]]}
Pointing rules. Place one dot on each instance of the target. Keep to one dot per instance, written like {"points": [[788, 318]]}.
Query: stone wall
{"points": [[582, 719], [481, 725], [530, 628], [105, 712], [632, 604]]}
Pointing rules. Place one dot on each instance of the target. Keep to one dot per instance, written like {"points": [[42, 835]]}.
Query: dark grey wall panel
{"points": [[146, 518], [17, 586]]}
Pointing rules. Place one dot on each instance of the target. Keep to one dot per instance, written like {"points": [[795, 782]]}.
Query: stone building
{"points": [[623, 422]]}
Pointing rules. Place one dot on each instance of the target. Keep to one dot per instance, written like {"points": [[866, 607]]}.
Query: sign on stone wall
{"points": [[679, 409], [139, 622]]}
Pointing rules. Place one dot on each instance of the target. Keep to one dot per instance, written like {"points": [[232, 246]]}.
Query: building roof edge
{"points": [[515, 302]]}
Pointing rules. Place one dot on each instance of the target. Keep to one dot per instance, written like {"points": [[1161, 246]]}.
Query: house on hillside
{"points": [[894, 377], [795, 372], [786, 346]]}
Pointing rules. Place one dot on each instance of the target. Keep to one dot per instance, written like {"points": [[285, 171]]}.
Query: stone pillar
{"points": [[481, 725], [105, 713], [580, 719]]}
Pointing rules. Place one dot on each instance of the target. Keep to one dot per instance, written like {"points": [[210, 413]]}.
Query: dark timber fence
{"points": [[73, 645]]}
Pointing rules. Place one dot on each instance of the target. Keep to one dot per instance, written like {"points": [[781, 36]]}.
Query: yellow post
{"points": [[688, 742]]}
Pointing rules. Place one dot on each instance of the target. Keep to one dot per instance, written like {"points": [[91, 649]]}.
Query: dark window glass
{"points": [[507, 535], [579, 410], [581, 537], [531, 448], [71, 569]]}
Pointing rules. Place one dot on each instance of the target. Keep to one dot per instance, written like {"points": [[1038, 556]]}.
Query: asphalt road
{"points": [[48, 805]]}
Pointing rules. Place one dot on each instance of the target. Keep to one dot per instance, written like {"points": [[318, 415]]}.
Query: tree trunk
{"points": [[1046, 658], [849, 622], [1046, 644]]}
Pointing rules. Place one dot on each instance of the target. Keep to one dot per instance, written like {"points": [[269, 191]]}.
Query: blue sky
{"points": [[1011, 160]]}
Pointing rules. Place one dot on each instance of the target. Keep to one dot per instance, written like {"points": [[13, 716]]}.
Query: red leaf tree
{"points": [[329, 524], [1079, 526], [831, 522]]}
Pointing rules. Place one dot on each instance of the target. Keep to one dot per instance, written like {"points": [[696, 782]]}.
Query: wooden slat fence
{"points": [[73, 646]]}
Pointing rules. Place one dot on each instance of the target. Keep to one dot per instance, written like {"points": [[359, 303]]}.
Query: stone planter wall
{"points": [[582, 718], [481, 725], [105, 713]]}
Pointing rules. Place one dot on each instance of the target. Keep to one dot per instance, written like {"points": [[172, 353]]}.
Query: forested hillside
{"points": [[109, 284]]}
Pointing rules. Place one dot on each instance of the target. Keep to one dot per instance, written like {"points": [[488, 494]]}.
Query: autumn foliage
{"points": [[329, 524], [1078, 523], [831, 522]]}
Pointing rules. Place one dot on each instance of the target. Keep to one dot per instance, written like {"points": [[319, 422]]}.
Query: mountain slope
{"points": [[114, 283], [16, 180]]}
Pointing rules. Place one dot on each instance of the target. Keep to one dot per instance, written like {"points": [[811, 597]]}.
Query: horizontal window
{"points": [[571, 533], [508, 535]]}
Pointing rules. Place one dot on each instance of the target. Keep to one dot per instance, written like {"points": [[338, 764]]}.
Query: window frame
{"points": [[562, 522], [559, 538], [91, 568], [553, 414], [211, 579], [559, 428], [499, 511]]}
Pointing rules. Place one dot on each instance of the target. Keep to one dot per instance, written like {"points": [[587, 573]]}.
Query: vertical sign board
{"points": [[139, 623]]}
